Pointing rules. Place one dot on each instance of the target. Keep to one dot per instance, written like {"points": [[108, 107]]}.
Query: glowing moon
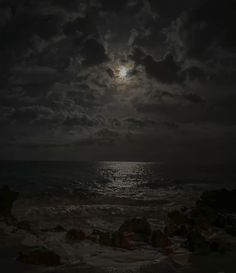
{"points": [[123, 72]]}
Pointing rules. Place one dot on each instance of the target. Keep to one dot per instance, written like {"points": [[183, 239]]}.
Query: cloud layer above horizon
{"points": [[61, 96]]}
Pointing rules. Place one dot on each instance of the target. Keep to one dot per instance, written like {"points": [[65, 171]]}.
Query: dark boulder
{"points": [[179, 218], [59, 228], [139, 226], [40, 256], [223, 200], [197, 243], [136, 225], [176, 230], [160, 239], [7, 198], [122, 240]]}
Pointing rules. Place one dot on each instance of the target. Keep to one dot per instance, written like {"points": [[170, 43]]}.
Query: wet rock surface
{"points": [[7, 198], [41, 256]]}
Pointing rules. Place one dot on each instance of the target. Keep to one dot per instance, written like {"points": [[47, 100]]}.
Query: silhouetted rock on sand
{"points": [[139, 227], [122, 240], [219, 199], [160, 239], [7, 198], [197, 242], [214, 210], [40, 256], [178, 217], [75, 235], [136, 225]]}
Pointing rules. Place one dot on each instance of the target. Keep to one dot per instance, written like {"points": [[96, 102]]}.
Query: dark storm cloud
{"points": [[83, 25], [33, 114], [165, 70], [94, 53], [205, 32]]}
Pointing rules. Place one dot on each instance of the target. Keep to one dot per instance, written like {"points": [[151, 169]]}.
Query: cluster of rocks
{"points": [[40, 256], [131, 234], [7, 198], [196, 227], [213, 213]]}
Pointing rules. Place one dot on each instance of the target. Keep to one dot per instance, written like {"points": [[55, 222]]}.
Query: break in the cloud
{"points": [[130, 80]]}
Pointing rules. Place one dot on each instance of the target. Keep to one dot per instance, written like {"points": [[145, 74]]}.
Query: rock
{"points": [[139, 226], [122, 240], [59, 228], [219, 221], [7, 198], [40, 256], [160, 239], [176, 230], [223, 200], [178, 217], [231, 230], [75, 235], [196, 242]]}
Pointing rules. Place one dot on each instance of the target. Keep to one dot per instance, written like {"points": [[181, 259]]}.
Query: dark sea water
{"points": [[108, 190]]}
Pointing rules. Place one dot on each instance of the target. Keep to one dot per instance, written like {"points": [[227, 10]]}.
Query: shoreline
{"points": [[128, 248]]}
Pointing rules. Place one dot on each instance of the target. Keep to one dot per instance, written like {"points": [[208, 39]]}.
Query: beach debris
{"points": [[7, 198], [40, 256]]}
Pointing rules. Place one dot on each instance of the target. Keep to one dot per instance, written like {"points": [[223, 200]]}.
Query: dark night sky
{"points": [[63, 95]]}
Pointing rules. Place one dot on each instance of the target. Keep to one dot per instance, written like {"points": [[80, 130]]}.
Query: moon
{"points": [[122, 72]]}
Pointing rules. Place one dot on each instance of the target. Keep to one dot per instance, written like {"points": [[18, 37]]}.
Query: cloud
{"points": [[33, 114], [166, 70], [136, 123], [79, 119], [205, 32], [94, 53], [81, 25]]}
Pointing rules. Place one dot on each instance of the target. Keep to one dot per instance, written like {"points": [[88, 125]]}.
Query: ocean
{"points": [[119, 188]]}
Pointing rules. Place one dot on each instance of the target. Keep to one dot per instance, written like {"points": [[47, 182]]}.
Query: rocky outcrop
{"points": [[7, 198], [160, 239], [221, 200], [41, 256], [139, 227], [213, 211]]}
